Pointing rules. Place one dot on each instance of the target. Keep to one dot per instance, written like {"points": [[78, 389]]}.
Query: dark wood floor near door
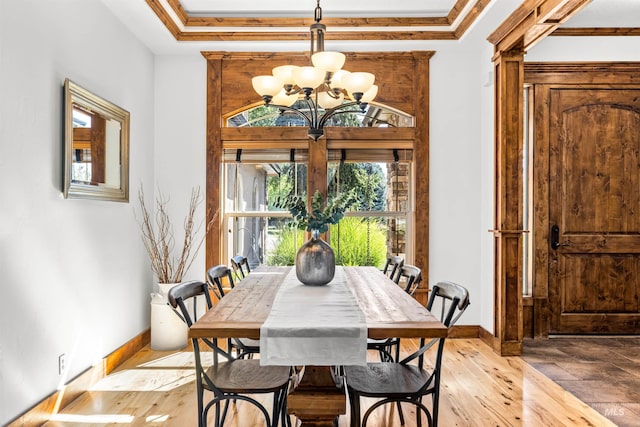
{"points": [[603, 372]]}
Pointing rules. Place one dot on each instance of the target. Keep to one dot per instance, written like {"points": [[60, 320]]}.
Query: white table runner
{"points": [[314, 325]]}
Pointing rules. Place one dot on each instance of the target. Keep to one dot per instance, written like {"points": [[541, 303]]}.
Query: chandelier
{"points": [[324, 84]]}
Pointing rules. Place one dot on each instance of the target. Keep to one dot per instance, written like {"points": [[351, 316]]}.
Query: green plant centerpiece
{"points": [[315, 260], [318, 218]]}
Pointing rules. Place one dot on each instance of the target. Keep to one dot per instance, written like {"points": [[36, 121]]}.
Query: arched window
{"points": [[375, 115]]}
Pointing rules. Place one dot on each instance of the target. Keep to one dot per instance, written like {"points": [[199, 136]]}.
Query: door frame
{"points": [[541, 76], [531, 22]]}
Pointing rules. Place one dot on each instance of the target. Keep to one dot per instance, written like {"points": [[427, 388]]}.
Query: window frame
{"points": [[229, 248]]}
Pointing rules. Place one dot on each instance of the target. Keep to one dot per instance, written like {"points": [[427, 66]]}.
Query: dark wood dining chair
{"points": [[409, 277], [392, 266], [244, 347], [406, 382], [216, 276], [233, 379], [240, 265]]}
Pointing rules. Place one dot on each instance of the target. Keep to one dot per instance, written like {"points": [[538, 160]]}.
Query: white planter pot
{"points": [[168, 331]]}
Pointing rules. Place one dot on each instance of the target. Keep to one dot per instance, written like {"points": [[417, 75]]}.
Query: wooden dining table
{"points": [[318, 398]]}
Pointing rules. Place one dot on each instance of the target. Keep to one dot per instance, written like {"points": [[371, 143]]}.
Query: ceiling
{"points": [[246, 20], [174, 26]]}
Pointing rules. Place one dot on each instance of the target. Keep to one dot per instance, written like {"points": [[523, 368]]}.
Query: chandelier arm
{"points": [[385, 122], [291, 91], [293, 110], [313, 111], [340, 109], [334, 93]]}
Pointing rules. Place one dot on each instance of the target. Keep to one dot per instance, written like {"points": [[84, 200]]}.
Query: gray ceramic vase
{"points": [[315, 262]]}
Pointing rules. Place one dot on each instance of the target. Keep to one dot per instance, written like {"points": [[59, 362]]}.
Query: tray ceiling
{"points": [[288, 20], [177, 26]]}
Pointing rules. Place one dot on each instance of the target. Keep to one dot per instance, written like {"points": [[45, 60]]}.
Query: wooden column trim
{"points": [[214, 160], [421, 166], [528, 24], [532, 21], [317, 168], [509, 81], [540, 176]]}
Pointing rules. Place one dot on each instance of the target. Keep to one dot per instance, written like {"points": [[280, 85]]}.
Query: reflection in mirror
{"points": [[96, 146]]}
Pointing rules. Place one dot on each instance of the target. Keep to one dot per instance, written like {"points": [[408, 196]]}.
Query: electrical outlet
{"points": [[61, 363]]}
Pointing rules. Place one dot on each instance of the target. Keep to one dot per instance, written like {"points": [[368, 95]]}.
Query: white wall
{"points": [[573, 49], [180, 143], [75, 278], [487, 165], [454, 167], [462, 164]]}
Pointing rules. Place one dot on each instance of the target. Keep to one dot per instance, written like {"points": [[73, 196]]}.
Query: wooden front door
{"points": [[594, 201]]}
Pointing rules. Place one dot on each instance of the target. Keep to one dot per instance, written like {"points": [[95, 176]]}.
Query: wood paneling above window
{"points": [[275, 138], [394, 73]]}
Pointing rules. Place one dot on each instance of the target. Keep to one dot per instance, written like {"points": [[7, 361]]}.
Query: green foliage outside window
{"points": [[357, 242], [319, 215], [289, 240], [282, 186], [366, 178], [351, 117], [262, 116], [361, 241]]}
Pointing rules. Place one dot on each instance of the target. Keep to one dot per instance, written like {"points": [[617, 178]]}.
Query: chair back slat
{"points": [[453, 300], [392, 266], [412, 277], [177, 298], [453, 294], [186, 291], [215, 276], [240, 263]]}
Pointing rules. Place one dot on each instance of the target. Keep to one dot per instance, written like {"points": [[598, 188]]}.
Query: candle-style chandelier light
{"points": [[323, 84]]}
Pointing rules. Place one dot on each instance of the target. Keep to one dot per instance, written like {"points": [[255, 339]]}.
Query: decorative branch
{"points": [[157, 236]]}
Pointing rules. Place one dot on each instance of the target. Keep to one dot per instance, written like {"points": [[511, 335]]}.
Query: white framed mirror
{"points": [[96, 134]]}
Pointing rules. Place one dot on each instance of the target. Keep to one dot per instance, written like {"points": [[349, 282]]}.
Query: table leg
{"points": [[317, 401]]}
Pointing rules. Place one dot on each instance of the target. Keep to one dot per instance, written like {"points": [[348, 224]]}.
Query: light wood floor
{"points": [[479, 388]]}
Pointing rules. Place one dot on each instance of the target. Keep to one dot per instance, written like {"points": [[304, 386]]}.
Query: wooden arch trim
{"points": [[529, 23], [532, 21], [404, 80]]}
